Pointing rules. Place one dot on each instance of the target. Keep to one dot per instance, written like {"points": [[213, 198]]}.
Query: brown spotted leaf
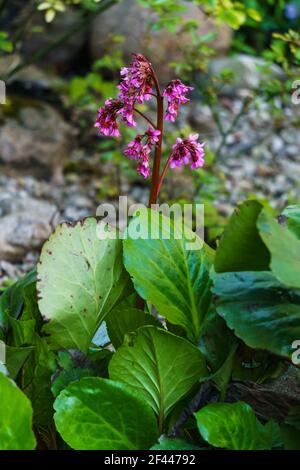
{"points": [[80, 279]]}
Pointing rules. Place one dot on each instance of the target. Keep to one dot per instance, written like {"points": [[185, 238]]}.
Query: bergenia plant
{"points": [[139, 83]]}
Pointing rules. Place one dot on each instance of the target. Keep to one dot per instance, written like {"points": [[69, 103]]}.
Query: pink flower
{"points": [[152, 136], [137, 82], [135, 148], [187, 151], [136, 86], [139, 149], [126, 111], [175, 94], [107, 118], [143, 168]]}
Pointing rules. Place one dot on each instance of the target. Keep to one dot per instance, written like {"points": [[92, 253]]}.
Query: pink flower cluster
{"points": [[176, 95], [136, 86], [140, 148], [187, 151]]}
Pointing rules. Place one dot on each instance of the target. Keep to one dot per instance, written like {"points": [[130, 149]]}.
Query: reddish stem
{"points": [[158, 148], [163, 175]]}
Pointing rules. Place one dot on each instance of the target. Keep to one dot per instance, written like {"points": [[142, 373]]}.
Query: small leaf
{"points": [[15, 359], [12, 300], [235, 426], [16, 418], [292, 214], [254, 14], [100, 414], [50, 15], [125, 320]]}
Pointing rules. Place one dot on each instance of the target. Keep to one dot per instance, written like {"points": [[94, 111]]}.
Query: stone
{"points": [[201, 118], [247, 71], [34, 138], [161, 46], [25, 223]]}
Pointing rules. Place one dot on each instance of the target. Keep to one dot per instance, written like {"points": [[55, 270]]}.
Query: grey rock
{"points": [[277, 144], [25, 223], [247, 71], [35, 139], [161, 46]]}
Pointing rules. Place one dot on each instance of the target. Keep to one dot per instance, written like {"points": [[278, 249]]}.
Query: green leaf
{"points": [[284, 247], [234, 426], [167, 273], [293, 418], [241, 248], [80, 279], [12, 300], [99, 414], [292, 215], [290, 437], [21, 332], [125, 320], [260, 310], [72, 369], [36, 376], [254, 14], [162, 367], [16, 418], [15, 359], [166, 443]]}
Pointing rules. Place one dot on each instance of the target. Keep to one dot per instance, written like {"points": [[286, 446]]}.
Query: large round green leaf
{"points": [[260, 310], [167, 272], [80, 279], [235, 426], [284, 247], [162, 367], [241, 248], [15, 418], [99, 414]]}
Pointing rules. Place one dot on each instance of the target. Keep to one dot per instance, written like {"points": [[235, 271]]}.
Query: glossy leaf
{"points": [[125, 320], [284, 247], [241, 248], [260, 310], [12, 300], [100, 414], [16, 418], [15, 359], [36, 375], [162, 367], [235, 426], [291, 214], [167, 272], [80, 279]]}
